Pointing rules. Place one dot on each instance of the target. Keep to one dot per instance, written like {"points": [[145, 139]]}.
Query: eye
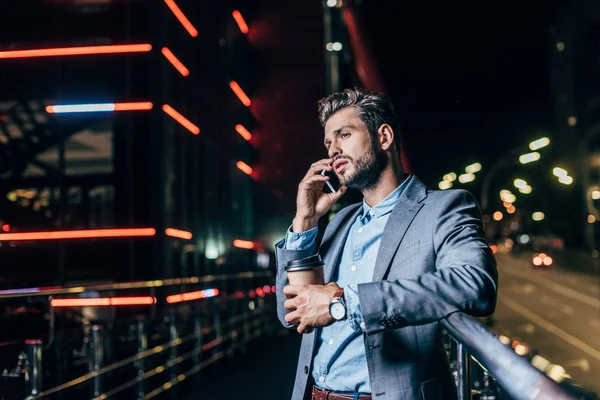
{"points": [[345, 135]]}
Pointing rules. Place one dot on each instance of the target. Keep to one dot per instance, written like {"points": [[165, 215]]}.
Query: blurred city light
{"points": [[506, 204], [565, 180], [511, 209], [335, 46], [526, 190], [450, 177], [240, 21], [98, 107], [331, 3], [538, 216], [509, 198], [596, 194], [464, 178], [245, 168], [523, 239], [443, 185], [560, 46], [186, 123], [77, 51], [572, 121], [538, 144], [520, 183], [497, 216], [243, 244], [178, 233], [557, 171], [239, 128], [471, 169], [187, 25], [175, 61], [529, 157], [591, 219], [240, 93]]}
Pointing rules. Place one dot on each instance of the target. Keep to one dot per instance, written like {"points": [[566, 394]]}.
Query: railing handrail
{"points": [[54, 290], [514, 374]]}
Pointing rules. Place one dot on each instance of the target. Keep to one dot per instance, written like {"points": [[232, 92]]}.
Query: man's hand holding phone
{"points": [[312, 203]]}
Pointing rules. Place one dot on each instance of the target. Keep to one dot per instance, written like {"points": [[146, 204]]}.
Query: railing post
{"points": [[34, 369], [97, 357], [463, 360], [142, 340]]}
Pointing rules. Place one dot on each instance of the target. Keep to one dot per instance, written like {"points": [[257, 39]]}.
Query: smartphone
{"points": [[333, 184]]}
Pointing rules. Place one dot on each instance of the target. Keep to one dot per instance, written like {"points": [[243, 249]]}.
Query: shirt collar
{"points": [[386, 205]]}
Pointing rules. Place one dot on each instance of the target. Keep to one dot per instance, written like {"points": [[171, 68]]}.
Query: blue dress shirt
{"points": [[340, 362]]}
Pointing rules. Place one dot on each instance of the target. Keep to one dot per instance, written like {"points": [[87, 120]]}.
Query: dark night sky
{"points": [[469, 81]]}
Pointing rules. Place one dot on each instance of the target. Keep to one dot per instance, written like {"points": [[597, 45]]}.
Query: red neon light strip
{"points": [[245, 168], [175, 61], [182, 18], [186, 123], [178, 233], [239, 128], [80, 234], [104, 301], [201, 294], [240, 21], [240, 93], [77, 51], [243, 244], [142, 105]]}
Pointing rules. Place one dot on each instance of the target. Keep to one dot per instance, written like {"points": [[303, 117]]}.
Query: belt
{"points": [[324, 394]]}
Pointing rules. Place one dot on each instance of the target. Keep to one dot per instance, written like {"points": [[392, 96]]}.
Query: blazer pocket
{"points": [[431, 389]]}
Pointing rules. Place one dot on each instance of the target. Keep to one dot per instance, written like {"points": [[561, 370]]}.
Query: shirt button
{"points": [[353, 268], [321, 379], [360, 230], [331, 342], [363, 326]]}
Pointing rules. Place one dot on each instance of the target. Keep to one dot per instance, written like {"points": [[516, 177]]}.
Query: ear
{"points": [[386, 137]]}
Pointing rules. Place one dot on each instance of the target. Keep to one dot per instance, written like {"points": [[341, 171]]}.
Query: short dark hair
{"points": [[373, 108]]}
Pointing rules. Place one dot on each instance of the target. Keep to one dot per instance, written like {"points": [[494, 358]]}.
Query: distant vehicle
{"points": [[541, 260]]}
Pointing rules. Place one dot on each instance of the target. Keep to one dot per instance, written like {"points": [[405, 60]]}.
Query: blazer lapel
{"points": [[339, 239], [400, 219]]}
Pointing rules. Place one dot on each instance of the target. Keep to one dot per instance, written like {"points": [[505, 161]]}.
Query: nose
{"points": [[334, 150]]}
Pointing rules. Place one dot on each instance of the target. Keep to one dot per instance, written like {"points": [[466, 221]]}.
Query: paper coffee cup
{"points": [[306, 271]]}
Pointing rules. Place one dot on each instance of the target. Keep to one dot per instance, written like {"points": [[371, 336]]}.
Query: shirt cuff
{"points": [[353, 308], [300, 240]]}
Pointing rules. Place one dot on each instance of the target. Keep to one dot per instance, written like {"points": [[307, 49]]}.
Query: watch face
{"points": [[338, 311]]}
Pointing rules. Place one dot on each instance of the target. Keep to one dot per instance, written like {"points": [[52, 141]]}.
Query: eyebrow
{"points": [[338, 131]]}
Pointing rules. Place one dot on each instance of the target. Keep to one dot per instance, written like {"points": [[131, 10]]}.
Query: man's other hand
{"points": [[309, 305]]}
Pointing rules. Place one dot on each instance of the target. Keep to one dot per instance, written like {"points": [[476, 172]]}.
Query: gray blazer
{"points": [[433, 261]]}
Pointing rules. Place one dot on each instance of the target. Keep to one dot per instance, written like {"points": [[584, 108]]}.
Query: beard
{"points": [[369, 168]]}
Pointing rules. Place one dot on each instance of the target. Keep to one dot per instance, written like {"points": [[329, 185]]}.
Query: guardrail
{"points": [[235, 309], [477, 348]]}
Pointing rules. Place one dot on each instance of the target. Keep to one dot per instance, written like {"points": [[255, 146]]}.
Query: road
{"points": [[555, 312]]}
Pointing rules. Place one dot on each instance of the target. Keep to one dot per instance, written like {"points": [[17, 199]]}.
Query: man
{"points": [[398, 262]]}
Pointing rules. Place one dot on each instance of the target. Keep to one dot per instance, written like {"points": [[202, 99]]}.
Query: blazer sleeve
{"points": [[465, 277], [282, 256]]}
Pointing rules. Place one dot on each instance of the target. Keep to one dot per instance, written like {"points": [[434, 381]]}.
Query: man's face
{"points": [[358, 160]]}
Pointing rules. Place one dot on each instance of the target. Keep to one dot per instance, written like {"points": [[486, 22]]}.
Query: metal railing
{"points": [[479, 350], [213, 329]]}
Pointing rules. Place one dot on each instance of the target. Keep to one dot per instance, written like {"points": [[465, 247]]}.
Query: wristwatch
{"points": [[337, 308]]}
